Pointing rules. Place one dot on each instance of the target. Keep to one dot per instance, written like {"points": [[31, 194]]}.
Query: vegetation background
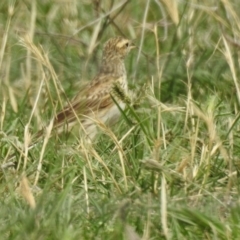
{"points": [[169, 169]]}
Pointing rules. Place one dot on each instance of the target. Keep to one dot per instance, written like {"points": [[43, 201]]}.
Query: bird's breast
{"points": [[113, 113]]}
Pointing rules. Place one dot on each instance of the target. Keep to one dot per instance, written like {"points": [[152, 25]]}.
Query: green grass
{"points": [[169, 168]]}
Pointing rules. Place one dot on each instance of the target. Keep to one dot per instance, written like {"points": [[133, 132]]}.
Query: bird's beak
{"points": [[132, 46]]}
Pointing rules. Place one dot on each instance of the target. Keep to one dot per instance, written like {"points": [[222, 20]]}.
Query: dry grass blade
{"points": [[172, 10], [86, 190], [130, 233], [142, 35], [40, 162], [26, 192], [214, 140], [27, 141], [122, 157], [164, 207], [231, 11], [29, 53], [2, 115], [43, 59], [94, 37], [100, 160], [165, 107], [228, 55], [5, 36]]}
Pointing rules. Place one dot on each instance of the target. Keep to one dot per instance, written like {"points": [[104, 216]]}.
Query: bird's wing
{"points": [[88, 102]]}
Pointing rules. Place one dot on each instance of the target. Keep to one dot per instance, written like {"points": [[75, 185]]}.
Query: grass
{"points": [[169, 168]]}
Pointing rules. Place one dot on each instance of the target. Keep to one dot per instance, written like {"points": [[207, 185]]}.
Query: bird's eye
{"points": [[127, 44]]}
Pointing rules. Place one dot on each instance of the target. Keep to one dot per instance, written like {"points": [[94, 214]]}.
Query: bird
{"points": [[101, 98]]}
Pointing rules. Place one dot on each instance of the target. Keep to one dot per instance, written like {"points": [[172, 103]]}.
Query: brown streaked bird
{"points": [[95, 101]]}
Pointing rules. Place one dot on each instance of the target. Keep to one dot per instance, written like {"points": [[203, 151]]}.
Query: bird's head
{"points": [[117, 47]]}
